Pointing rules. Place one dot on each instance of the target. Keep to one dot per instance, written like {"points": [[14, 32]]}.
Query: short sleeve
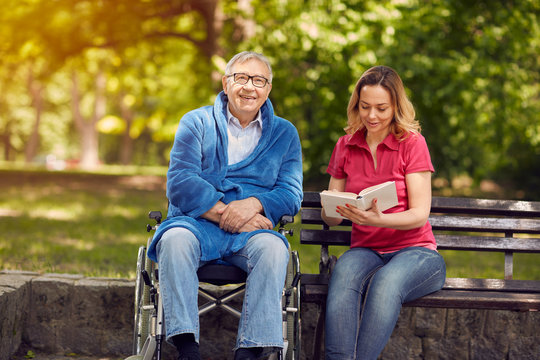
{"points": [[337, 160], [417, 156]]}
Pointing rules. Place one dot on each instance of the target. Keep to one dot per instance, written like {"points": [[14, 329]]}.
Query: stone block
{"points": [[529, 325], [14, 294], [50, 307], [486, 349], [526, 348], [429, 322], [466, 323], [445, 348], [402, 348]]}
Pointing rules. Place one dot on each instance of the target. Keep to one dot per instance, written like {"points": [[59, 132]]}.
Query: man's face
{"points": [[246, 100]]}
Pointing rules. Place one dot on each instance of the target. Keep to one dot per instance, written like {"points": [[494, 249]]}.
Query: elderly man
{"points": [[235, 169]]}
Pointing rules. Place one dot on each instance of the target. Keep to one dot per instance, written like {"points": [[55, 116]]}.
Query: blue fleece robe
{"points": [[199, 176]]}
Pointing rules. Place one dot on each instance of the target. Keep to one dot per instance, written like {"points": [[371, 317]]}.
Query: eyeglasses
{"points": [[256, 80]]}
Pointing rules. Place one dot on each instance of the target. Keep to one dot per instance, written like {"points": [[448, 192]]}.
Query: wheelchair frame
{"points": [[149, 322]]}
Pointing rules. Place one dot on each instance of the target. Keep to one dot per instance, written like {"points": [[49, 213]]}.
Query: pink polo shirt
{"points": [[352, 160]]}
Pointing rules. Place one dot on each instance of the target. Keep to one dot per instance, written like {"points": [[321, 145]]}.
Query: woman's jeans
{"points": [[365, 295], [264, 258]]}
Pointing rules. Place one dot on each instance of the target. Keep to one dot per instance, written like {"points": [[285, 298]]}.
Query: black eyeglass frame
{"points": [[250, 77]]}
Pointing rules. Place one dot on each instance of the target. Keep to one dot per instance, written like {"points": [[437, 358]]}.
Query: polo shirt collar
{"points": [[359, 139]]}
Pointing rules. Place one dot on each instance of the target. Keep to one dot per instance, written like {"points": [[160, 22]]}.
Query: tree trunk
{"points": [[245, 25], [6, 140], [89, 158], [126, 149], [36, 94]]}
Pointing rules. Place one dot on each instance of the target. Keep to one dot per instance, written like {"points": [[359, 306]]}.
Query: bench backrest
{"points": [[507, 226]]}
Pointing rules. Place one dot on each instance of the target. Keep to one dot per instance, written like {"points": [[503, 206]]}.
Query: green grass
{"points": [[94, 223], [75, 222]]}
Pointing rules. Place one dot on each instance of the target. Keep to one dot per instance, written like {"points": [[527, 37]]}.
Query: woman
{"points": [[393, 257]]}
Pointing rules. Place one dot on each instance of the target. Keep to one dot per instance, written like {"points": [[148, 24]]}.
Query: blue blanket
{"points": [[199, 176]]}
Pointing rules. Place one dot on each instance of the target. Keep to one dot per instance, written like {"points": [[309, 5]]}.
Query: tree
{"points": [[473, 71], [470, 69], [68, 28]]}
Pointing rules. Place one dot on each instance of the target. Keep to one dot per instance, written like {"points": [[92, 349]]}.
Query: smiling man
{"points": [[235, 169]]}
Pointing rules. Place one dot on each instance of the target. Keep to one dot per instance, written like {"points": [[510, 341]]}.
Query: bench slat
{"points": [[524, 286], [320, 284], [325, 237], [461, 205], [456, 299], [454, 223], [463, 242], [485, 206], [493, 300], [461, 223], [499, 294], [444, 241], [312, 216]]}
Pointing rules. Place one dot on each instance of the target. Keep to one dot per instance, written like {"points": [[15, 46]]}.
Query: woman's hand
{"points": [[334, 185], [372, 216], [419, 203]]}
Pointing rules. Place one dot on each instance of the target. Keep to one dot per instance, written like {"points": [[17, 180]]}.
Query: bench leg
{"points": [[319, 331]]}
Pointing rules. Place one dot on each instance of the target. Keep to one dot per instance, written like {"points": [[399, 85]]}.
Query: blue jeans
{"points": [[264, 258], [365, 295]]}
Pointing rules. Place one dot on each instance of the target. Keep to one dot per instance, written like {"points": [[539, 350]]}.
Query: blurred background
{"points": [[92, 92]]}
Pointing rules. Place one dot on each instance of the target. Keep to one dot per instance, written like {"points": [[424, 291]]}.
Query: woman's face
{"points": [[376, 109]]}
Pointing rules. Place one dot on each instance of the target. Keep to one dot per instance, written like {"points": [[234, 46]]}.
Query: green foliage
{"points": [[473, 75], [470, 68]]}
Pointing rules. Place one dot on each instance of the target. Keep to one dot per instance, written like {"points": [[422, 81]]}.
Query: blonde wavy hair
{"points": [[404, 121]]}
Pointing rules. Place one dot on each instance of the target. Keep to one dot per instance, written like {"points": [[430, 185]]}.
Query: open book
{"points": [[385, 193]]}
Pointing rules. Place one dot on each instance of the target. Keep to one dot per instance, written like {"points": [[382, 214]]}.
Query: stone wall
{"points": [[450, 334], [61, 314]]}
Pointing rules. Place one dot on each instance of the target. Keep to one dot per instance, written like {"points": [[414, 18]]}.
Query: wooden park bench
{"points": [[506, 226]]}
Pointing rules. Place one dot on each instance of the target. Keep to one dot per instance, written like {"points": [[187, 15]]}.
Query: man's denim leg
{"points": [[179, 256], [264, 258]]}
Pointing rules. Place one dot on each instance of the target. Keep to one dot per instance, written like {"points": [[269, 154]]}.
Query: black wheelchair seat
{"points": [[221, 274]]}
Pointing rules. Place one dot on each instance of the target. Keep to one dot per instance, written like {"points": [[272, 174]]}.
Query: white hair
{"points": [[245, 56]]}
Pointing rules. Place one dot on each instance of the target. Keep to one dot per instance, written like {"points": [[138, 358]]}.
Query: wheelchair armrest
{"points": [[286, 219], [155, 215]]}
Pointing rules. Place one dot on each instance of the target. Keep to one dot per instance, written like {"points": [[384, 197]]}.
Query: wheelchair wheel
{"points": [[142, 298], [293, 318]]}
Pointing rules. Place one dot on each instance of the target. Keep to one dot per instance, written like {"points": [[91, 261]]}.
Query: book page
{"points": [[373, 188], [385, 193], [330, 200], [341, 194]]}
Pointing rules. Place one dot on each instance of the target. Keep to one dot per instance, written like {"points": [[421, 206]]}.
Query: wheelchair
{"points": [[149, 322]]}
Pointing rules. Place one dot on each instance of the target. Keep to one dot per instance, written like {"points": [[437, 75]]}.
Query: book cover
{"points": [[385, 193]]}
